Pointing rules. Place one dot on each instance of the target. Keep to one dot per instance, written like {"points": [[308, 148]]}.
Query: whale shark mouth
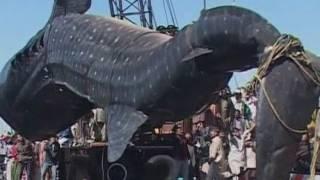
{"points": [[53, 108]]}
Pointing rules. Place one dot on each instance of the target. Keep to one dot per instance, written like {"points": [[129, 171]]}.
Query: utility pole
{"points": [[134, 11]]}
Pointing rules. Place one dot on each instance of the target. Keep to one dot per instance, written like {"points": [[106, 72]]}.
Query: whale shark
{"points": [[139, 76]]}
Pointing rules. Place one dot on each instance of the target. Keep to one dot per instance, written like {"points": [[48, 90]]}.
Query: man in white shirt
{"points": [[217, 159]]}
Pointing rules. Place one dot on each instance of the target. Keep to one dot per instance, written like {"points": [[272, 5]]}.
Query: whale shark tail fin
{"points": [[122, 123]]}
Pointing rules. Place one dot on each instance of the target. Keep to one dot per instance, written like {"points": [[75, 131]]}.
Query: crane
{"points": [[130, 10]]}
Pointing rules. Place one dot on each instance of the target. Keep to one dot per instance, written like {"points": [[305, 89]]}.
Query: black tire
{"points": [[160, 167]]}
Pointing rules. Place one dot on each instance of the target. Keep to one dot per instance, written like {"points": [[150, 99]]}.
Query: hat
{"points": [[238, 91]]}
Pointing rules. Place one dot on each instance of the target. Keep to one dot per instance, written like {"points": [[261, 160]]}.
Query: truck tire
{"points": [[160, 167], [79, 168]]}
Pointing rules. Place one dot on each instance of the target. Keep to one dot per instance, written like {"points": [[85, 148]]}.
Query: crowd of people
{"points": [[22, 159], [222, 142]]}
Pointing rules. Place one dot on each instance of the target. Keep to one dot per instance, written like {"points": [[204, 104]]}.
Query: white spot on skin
{"points": [[90, 38], [116, 40], [119, 78], [91, 56], [79, 40], [109, 29], [257, 30], [225, 19], [148, 71], [74, 28], [56, 30], [53, 40], [119, 123], [150, 86], [95, 73], [178, 50], [64, 21], [167, 68], [94, 30], [226, 32], [134, 77], [86, 20], [81, 53], [71, 37], [72, 53], [139, 58], [102, 59], [146, 44], [101, 41], [126, 60]]}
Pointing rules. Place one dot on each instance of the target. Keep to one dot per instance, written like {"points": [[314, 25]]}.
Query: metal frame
{"points": [[130, 9]]}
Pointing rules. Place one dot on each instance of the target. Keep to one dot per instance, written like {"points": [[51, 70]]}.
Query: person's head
{"points": [[236, 132], [222, 134], [53, 139], [19, 139], [214, 132], [200, 125], [188, 137], [305, 138], [311, 129], [176, 130], [237, 113], [238, 97]]}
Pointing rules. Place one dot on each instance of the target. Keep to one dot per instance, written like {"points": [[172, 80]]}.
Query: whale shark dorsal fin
{"points": [[77, 6], [122, 123], [195, 53], [64, 7]]}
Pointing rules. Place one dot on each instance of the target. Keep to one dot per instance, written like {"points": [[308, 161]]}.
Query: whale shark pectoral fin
{"points": [[195, 53], [122, 123]]}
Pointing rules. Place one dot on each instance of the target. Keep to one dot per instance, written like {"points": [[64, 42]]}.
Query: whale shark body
{"points": [[78, 62]]}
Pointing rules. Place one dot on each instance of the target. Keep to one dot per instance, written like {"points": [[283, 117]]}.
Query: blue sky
{"points": [[20, 20]]}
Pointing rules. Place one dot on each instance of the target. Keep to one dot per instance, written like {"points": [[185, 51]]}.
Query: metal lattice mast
{"points": [[134, 11]]}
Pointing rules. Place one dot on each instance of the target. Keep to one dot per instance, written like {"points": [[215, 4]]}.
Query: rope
{"points": [[285, 46]]}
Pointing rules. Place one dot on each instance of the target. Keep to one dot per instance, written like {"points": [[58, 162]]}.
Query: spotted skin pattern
{"points": [[137, 75]]}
